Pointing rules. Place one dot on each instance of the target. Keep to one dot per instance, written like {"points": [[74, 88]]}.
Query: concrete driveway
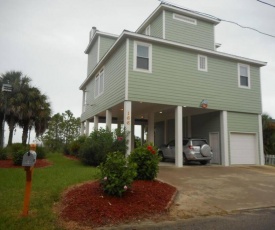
{"points": [[211, 190]]}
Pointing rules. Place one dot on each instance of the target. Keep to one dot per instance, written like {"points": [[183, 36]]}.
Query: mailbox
{"points": [[29, 158]]}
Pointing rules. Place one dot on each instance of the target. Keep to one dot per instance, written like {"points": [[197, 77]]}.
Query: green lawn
{"points": [[47, 185]]}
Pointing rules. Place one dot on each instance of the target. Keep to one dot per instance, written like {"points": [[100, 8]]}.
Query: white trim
{"points": [[162, 41], [205, 69], [224, 139], [127, 71], [98, 49], [136, 43], [163, 24], [261, 145], [185, 19], [248, 76]]}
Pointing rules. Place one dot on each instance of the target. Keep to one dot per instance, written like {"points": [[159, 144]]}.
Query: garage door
{"points": [[243, 148]]}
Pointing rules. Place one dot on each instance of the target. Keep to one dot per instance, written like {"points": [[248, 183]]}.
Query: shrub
{"points": [[75, 145], [117, 174], [101, 142], [41, 152], [147, 161], [66, 149], [18, 157], [3, 155]]}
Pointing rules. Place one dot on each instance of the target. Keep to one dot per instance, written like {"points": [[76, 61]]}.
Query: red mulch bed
{"points": [[40, 163], [88, 205]]}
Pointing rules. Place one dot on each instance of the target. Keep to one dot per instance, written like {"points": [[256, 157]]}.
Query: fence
{"points": [[270, 159]]}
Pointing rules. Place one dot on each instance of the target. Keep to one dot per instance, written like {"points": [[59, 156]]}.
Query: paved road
{"points": [[260, 219]]}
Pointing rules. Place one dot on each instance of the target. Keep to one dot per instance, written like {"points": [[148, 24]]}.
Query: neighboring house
{"points": [[169, 77]]}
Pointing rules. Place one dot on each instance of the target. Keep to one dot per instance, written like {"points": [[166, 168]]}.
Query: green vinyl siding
{"points": [[156, 27], [92, 57], [203, 124], [176, 80], [114, 85], [105, 44], [243, 123], [200, 35]]}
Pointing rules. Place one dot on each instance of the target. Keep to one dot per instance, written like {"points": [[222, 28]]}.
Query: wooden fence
{"points": [[270, 159]]}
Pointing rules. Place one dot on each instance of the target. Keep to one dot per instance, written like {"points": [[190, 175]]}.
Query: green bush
{"points": [[101, 142], [117, 174], [41, 152], [147, 161], [3, 155], [75, 145], [18, 157]]}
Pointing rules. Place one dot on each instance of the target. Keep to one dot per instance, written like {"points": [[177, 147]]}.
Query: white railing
{"points": [[270, 159]]}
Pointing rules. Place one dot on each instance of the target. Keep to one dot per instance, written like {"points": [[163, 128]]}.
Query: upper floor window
{"points": [[202, 63], [142, 57], [185, 19], [148, 30], [99, 83], [244, 75], [84, 100]]}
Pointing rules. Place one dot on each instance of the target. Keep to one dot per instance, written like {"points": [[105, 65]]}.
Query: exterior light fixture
{"points": [[204, 104]]}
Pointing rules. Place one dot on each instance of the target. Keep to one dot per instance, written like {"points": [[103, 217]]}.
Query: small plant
{"points": [[18, 157], [117, 174], [75, 145], [41, 152], [147, 161], [3, 155], [17, 151]]}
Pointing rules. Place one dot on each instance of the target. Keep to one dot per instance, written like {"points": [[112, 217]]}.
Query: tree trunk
{"points": [[1, 131], [11, 128], [25, 133]]}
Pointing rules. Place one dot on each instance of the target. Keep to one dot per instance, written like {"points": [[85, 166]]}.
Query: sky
{"points": [[46, 39]]}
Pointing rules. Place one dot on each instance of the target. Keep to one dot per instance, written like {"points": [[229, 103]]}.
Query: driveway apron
{"points": [[211, 190]]}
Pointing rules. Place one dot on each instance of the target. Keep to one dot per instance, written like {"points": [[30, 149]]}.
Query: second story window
{"points": [[244, 76], [202, 63], [99, 83], [142, 57]]}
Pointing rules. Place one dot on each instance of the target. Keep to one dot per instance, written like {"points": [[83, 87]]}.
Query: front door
{"points": [[214, 142]]}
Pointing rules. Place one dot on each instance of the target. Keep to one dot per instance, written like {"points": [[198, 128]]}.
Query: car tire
{"points": [[205, 150], [161, 155], [204, 162]]}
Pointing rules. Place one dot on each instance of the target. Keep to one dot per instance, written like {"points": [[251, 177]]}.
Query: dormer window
{"points": [[244, 76], [142, 57]]}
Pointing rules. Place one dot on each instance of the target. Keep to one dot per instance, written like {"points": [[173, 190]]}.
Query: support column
{"points": [[178, 136], [95, 122], [224, 138], [261, 145], [87, 128], [82, 128], [128, 124], [133, 134], [151, 124], [109, 119], [165, 132]]}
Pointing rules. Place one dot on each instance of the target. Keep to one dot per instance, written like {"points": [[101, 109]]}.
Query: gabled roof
{"points": [[93, 39], [179, 10], [127, 34]]}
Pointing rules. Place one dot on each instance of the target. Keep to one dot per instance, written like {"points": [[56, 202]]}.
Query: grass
{"points": [[47, 186]]}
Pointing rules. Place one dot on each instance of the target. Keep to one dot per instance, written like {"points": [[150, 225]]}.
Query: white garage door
{"points": [[243, 148]]}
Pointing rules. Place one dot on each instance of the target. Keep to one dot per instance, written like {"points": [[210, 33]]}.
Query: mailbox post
{"points": [[28, 162]]}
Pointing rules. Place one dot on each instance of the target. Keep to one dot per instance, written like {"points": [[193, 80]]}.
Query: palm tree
{"points": [[35, 112], [20, 85]]}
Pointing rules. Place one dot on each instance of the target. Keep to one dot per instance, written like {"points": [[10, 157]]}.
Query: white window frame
{"points": [[185, 19], [84, 100], [99, 81], [205, 69], [149, 70], [248, 76], [148, 30]]}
